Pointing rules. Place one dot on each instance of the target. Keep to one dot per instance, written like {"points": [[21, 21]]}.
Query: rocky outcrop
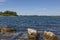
{"points": [[46, 35], [49, 36], [32, 34], [6, 29]]}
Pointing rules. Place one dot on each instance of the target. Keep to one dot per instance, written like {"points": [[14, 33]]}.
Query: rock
{"points": [[32, 34], [0, 29], [49, 36], [6, 29]]}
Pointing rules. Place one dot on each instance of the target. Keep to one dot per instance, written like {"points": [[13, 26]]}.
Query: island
{"points": [[8, 13]]}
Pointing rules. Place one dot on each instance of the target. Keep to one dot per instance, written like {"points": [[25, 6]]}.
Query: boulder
{"points": [[32, 34], [6, 29], [0, 29], [49, 36]]}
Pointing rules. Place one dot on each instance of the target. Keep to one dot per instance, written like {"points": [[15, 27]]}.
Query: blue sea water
{"points": [[21, 23]]}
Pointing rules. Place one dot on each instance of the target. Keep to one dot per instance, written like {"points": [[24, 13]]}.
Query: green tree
{"points": [[1, 13]]}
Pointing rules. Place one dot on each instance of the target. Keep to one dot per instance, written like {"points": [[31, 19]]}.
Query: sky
{"points": [[31, 7]]}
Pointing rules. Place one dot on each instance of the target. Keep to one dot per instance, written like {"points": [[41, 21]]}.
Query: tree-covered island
{"points": [[8, 13]]}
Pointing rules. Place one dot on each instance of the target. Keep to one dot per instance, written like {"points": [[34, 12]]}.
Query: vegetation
{"points": [[8, 13]]}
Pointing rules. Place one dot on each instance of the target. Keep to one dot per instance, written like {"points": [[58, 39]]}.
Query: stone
{"points": [[49, 36], [32, 34], [6, 29]]}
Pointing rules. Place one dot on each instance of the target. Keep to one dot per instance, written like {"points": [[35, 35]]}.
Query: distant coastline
{"points": [[12, 13]]}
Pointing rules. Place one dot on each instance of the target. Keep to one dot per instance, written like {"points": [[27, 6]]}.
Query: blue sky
{"points": [[31, 7]]}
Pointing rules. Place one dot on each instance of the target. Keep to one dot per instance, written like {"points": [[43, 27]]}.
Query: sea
{"points": [[22, 23]]}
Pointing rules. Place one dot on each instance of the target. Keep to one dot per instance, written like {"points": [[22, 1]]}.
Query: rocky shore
{"points": [[31, 34]]}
